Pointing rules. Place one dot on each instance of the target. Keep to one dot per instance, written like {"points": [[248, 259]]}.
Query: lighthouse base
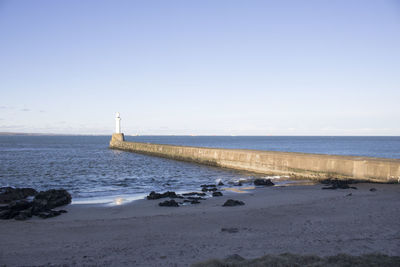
{"points": [[118, 137]]}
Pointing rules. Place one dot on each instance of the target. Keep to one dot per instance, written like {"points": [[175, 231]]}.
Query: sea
{"points": [[93, 173]]}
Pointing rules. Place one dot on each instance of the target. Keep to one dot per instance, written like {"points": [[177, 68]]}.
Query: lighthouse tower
{"points": [[118, 136], [117, 123]]}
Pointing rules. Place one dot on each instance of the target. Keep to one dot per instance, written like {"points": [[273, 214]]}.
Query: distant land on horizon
{"points": [[47, 134], [61, 134]]}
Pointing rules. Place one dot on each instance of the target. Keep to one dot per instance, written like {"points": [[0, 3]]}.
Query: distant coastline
{"points": [[47, 134], [191, 135]]}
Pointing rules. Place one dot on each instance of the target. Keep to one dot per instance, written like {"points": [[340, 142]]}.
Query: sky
{"points": [[200, 67]]}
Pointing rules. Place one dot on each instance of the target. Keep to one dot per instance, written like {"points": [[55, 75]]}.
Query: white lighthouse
{"points": [[117, 123], [118, 136]]}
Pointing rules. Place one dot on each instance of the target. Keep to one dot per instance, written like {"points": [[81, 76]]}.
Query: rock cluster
{"points": [[263, 182], [194, 201], [169, 203], [338, 184], [170, 194], [207, 185], [217, 194], [194, 194], [20, 207], [191, 197], [8, 194], [232, 202], [196, 198], [207, 189]]}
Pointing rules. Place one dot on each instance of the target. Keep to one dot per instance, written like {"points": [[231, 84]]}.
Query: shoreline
{"points": [[297, 219], [124, 199]]}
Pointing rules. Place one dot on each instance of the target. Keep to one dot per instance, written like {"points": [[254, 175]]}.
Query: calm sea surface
{"points": [[90, 171]]}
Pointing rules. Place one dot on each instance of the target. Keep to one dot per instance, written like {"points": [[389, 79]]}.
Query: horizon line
{"points": [[190, 135]]}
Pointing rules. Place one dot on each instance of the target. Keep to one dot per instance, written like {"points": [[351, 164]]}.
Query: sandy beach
{"points": [[274, 220]]}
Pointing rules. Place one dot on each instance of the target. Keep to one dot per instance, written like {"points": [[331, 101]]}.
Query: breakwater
{"points": [[295, 165]]}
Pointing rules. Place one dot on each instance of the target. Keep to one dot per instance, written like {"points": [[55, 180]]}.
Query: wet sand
{"points": [[274, 220]]}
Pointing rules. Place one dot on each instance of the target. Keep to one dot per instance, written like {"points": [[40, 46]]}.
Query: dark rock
{"points": [[330, 181], [205, 189], [19, 205], [372, 189], [220, 183], [50, 199], [191, 201], [232, 202], [15, 208], [338, 184], [154, 195], [42, 205], [196, 198], [208, 185], [263, 182], [24, 215], [8, 194], [170, 194], [21, 217], [169, 203], [194, 194], [39, 205], [6, 214], [217, 194], [230, 230], [48, 214]]}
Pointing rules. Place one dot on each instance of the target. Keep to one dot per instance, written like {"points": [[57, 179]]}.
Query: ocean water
{"points": [[86, 167]]}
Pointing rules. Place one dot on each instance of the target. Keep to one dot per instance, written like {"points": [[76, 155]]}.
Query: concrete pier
{"points": [[295, 165]]}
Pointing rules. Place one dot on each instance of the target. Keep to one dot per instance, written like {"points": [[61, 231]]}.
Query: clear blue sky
{"points": [[201, 67]]}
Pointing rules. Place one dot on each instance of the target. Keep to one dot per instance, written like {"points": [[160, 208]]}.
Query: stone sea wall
{"points": [[295, 165]]}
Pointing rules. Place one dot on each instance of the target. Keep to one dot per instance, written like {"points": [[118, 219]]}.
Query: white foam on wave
{"points": [[109, 200]]}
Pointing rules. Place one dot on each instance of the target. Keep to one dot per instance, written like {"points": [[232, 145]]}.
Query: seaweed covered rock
{"points": [[50, 213], [338, 184], [212, 189], [153, 195], [42, 204], [50, 199], [169, 203], [232, 202], [196, 198], [207, 185], [194, 194], [263, 182], [8, 194]]}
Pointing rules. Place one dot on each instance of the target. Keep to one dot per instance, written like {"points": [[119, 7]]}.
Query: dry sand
{"points": [[295, 219]]}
